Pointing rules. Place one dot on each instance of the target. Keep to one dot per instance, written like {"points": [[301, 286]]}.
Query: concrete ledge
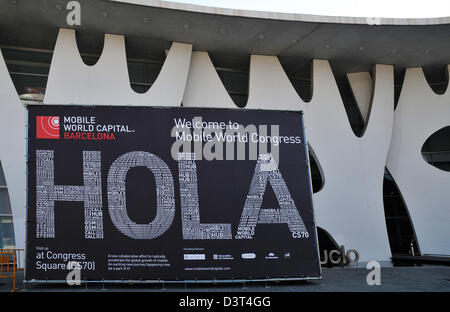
{"points": [[288, 16]]}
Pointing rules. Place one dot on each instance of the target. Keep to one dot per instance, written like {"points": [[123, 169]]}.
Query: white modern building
{"points": [[373, 92]]}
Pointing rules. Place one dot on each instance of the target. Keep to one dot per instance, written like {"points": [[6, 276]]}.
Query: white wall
{"points": [[72, 82], [350, 204], [425, 189], [361, 86], [107, 82], [13, 150]]}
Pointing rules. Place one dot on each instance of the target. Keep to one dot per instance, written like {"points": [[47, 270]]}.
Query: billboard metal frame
{"points": [[170, 281]]}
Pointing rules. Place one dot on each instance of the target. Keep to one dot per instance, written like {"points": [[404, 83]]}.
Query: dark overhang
{"points": [[230, 36]]}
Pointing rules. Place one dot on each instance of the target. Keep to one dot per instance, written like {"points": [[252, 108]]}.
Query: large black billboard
{"points": [[149, 193]]}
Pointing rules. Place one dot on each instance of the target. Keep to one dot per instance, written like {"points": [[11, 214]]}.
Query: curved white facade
{"points": [[13, 138], [421, 112], [350, 204]]}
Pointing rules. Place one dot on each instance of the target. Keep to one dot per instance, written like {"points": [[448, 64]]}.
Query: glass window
{"points": [[436, 149], [5, 207], [6, 233], [2, 176]]}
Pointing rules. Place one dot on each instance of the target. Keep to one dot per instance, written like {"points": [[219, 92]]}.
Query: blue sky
{"points": [[362, 8]]}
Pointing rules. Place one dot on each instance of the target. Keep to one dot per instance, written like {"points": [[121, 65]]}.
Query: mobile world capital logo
{"points": [[47, 127]]}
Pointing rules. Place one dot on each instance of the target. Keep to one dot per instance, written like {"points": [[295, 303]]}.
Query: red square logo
{"points": [[47, 127]]}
